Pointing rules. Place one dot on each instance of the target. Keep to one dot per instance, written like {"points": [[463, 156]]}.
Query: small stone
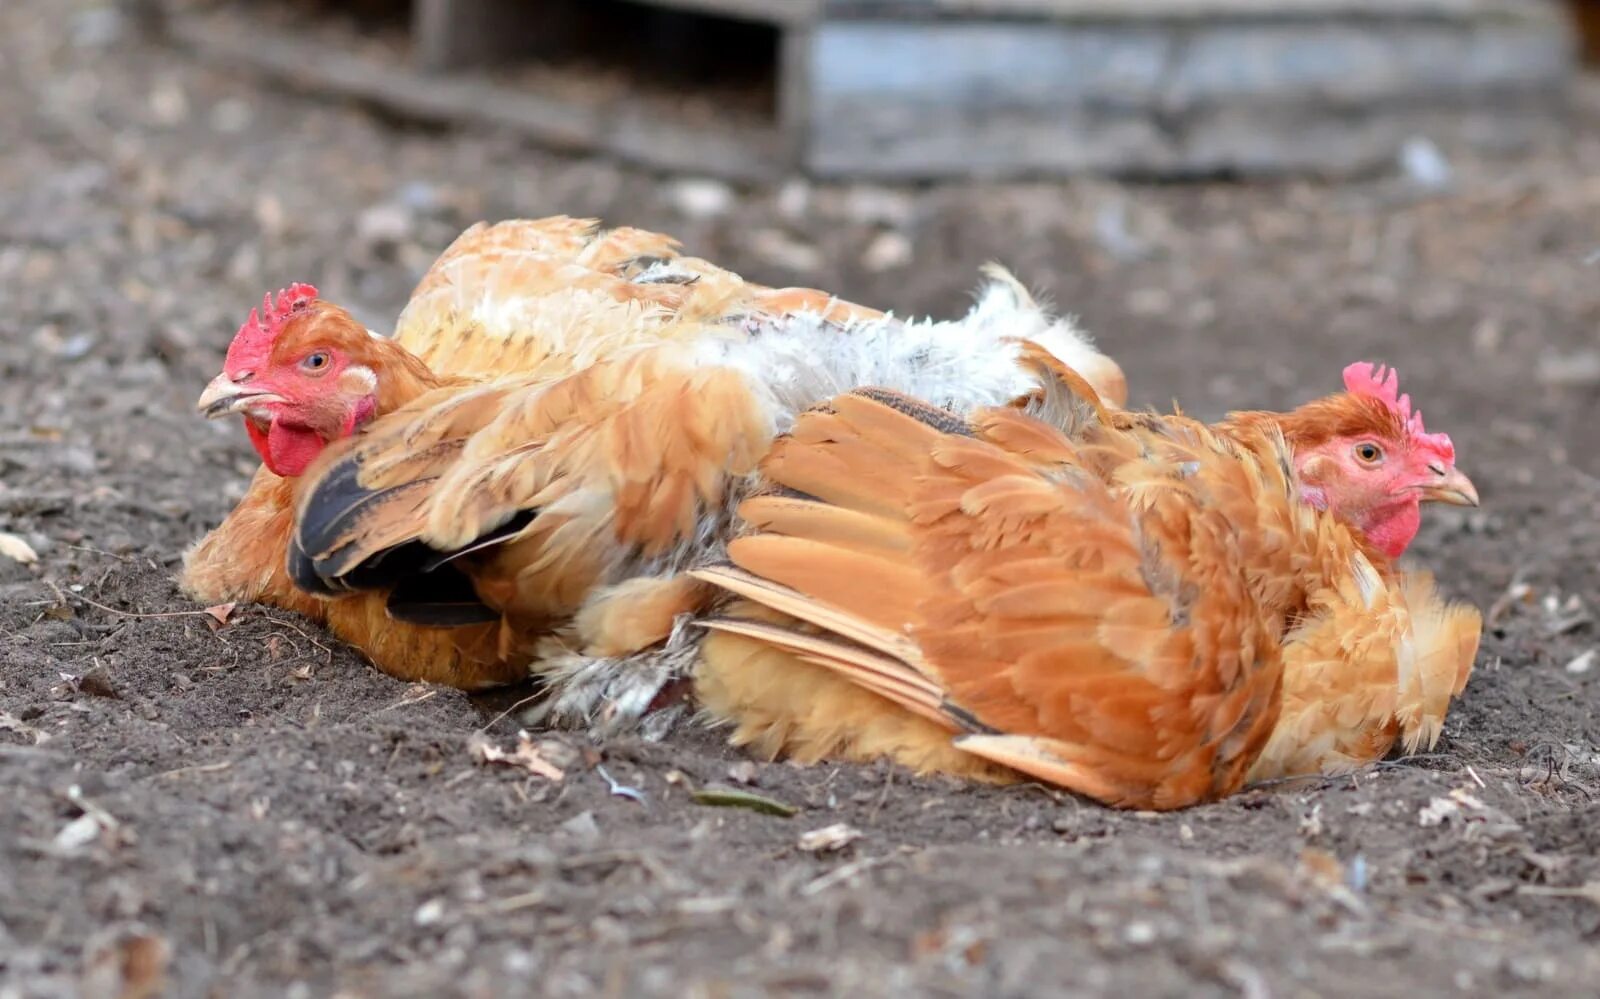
{"points": [[879, 206], [794, 199], [701, 199], [1425, 165], [777, 247], [888, 251], [429, 913]]}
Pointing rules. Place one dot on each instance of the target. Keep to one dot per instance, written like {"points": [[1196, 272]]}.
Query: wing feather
{"points": [[539, 492], [1019, 593]]}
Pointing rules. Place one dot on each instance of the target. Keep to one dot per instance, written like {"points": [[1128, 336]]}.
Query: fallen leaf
{"points": [[1322, 867], [1467, 799], [97, 683], [727, 797], [11, 723], [1311, 824], [526, 755], [1583, 662], [133, 967], [829, 838], [1436, 811], [94, 824], [1439, 809], [16, 549]]}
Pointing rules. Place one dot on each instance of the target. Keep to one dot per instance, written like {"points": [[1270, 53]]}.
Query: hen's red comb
{"points": [[253, 343], [1375, 381]]}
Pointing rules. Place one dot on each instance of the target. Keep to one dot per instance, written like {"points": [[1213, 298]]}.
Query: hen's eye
{"points": [[1369, 453], [315, 362]]}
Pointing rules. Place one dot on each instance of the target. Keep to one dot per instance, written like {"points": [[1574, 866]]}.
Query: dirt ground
{"points": [[250, 810]]}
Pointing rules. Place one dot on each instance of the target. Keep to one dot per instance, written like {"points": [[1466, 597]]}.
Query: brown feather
{"points": [[1031, 598], [482, 417]]}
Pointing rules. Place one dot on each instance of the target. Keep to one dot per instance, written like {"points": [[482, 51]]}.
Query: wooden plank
{"points": [[631, 134], [1586, 15], [452, 34], [984, 66], [796, 59], [781, 12], [995, 64], [1004, 98], [1129, 11]]}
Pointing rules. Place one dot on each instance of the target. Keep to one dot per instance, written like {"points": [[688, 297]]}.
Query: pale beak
{"points": [[1450, 487], [224, 396]]}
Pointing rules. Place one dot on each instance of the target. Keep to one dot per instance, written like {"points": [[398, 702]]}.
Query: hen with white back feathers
{"points": [[588, 373]]}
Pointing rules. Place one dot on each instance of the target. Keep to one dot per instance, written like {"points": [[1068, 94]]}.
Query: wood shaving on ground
{"points": [[829, 838], [16, 549], [526, 755]]}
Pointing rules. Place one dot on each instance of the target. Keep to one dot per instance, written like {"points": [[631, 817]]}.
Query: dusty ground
{"points": [[255, 809]]}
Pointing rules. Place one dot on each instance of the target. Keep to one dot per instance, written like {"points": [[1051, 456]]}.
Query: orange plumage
{"points": [[562, 428], [617, 385], [1122, 605], [1016, 601]]}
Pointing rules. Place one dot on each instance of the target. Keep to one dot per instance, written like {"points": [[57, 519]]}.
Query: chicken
{"points": [[1343, 705], [1140, 609], [602, 368]]}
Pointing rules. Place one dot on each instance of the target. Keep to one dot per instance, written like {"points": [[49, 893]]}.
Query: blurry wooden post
{"points": [[1587, 15], [456, 34]]}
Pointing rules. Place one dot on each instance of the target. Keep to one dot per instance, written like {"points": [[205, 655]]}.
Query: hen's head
{"points": [[303, 372], [1365, 457]]}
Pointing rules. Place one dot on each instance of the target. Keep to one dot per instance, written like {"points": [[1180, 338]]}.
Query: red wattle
{"points": [[287, 451], [1395, 531]]}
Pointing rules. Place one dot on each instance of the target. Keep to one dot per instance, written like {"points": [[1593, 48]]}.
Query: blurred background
{"points": [[911, 89], [857, 145], [1197, 178]]}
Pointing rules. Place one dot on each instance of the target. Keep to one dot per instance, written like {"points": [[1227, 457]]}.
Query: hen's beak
{"points": [[1451, 487], [224, 396]]}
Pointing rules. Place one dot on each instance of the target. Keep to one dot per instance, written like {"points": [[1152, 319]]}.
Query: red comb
{"points": [[253, 342], [1375, 381]]}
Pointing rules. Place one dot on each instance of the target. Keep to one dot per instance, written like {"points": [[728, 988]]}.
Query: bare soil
{"points": [[248, 809]]}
